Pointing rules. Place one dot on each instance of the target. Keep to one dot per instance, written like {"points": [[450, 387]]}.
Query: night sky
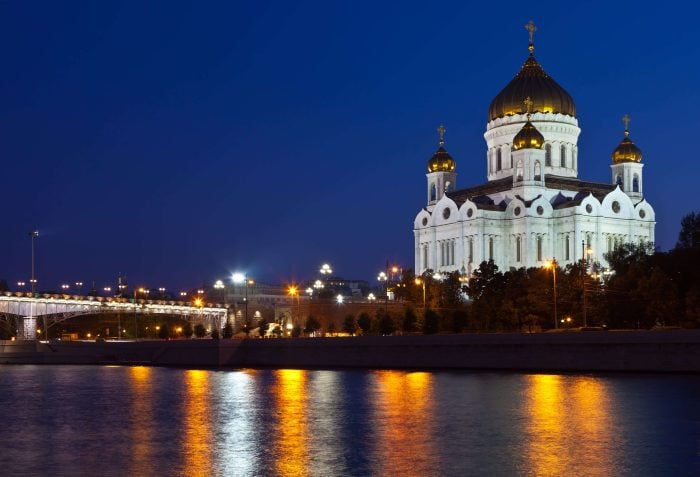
{"points": [[178, 142]]}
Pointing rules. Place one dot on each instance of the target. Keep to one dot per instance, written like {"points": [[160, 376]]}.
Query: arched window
{"points": [[471, 250], [539, 249], [548, 155], [519, 171], [433, 191], [499, 160], [517, 249], [567, 246], [490, 248], [562, 161], [425, 257], [538, 171], [618, 181], [635, 183]]}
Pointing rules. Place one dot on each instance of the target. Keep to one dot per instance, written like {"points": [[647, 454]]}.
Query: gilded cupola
{"points": [[532, 81], [626, 151], [441, 160], [528, 137]]}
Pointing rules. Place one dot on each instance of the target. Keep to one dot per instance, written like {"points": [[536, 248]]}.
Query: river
{"points": [[63, 420]]}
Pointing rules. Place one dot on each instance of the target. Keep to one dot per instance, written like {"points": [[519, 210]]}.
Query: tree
{"points": [[460, 320], [386, 324], [364, 321], [187, 330], [349, 325], [199, 330], [312, 325], [296, 331], [410, 321], [689, 236], [215, 334], [228, 330], [164, 331], [431, 322]]}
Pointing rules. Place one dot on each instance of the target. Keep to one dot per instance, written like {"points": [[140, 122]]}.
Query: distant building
{"points": [[533, 207]]}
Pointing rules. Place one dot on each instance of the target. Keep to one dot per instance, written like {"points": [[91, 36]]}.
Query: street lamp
{"points": [[383, 277], [79, 286], [65, 286], [241, 278], [553, 265], [107, 290], [420, 281], [371, 297], [326, 272], [339, 299], [33, 234], [293, 291]]}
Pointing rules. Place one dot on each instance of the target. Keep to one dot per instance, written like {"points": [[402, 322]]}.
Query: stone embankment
{"points": [[641, 351]]}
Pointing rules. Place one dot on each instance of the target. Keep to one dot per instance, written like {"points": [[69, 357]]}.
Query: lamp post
{"points": [[553, 266], [242, 278], [421, 281], [293, 291], [383, 277], [79, 286], [34, 234]]}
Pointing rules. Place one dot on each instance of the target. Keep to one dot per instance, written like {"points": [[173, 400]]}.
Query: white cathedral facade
{"points": [[533, 207]]}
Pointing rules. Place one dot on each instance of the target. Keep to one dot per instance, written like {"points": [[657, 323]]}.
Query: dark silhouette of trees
{"points": [[187, 330], [364, 321], [199, 330], [349, 325]]}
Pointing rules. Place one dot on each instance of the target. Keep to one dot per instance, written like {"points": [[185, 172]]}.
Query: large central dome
{"points": [[547, 96]]}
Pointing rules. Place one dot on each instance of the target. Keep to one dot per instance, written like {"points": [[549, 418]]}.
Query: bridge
{"points": [[26, 308]]}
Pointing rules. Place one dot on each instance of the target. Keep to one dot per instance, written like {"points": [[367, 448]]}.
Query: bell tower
{"points": [[441, 171]]}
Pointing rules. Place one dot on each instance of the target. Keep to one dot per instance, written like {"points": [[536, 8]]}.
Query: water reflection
{"points": [[404, 406], [140, 384], [197, 442], [291, 430], [569, 426]]}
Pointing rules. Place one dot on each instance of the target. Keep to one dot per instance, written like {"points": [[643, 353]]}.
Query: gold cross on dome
{"points": [[531, 29], [626, 121], [528, 105], [441, 130]]}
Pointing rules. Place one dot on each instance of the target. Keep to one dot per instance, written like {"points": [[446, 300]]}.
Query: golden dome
{"points": [[528, 138], [532, 81], [441, 160], [626, 151]]}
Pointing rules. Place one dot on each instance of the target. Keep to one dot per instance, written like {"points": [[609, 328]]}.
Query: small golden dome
{"points": [[528, 138], [441, 160], [626, 151]]}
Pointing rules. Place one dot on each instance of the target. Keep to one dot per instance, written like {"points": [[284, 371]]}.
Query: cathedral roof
{"points": [[479, 194], [626, 151], [532, 81]]}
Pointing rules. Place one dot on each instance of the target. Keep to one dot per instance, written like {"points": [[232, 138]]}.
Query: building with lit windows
{"points": [[533, 207]]}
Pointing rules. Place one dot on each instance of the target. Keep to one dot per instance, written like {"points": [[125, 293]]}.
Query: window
{"points": [[635, 183], [562, 162], [548, 155], [425, 257], [538, 171], [618, 181], [499, 160], [567, 247], [539, 249], [490, 248], [517, 249], [519, 171], [433, 191], [471, 250], [442, 253]]}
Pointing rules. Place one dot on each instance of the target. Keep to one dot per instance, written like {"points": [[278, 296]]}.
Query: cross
{"points": [[531, 28], [626, 121], [528, 104], [441, 129]]}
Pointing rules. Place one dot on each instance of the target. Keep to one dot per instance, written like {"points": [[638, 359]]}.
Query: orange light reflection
{"points": [[569, 424], [405, 410], [140, 380], [292, 439], [198, 443]]}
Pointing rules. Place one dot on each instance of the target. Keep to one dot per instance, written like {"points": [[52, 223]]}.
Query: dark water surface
{"points": [[62, 420]]}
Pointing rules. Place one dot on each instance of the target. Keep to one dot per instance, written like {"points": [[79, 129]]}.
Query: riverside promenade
{"points": [[638, 351]]}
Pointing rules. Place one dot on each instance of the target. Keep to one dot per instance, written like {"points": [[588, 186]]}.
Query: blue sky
{"points": [[176, 142]]}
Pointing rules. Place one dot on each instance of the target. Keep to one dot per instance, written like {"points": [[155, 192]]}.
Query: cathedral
{"points": [[533, 208]]}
